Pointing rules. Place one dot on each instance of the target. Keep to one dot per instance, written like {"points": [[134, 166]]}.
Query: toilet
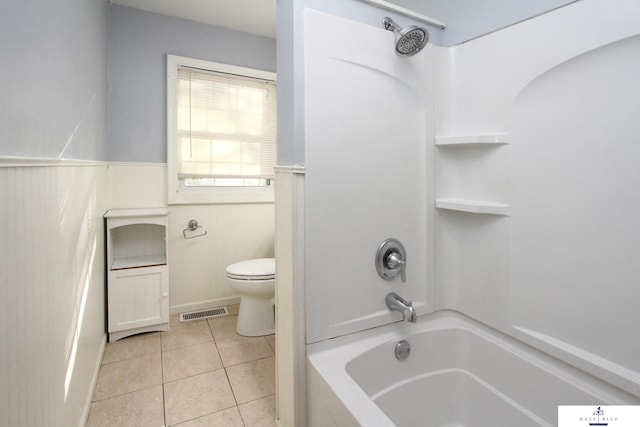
{"points": [[255, 281]]}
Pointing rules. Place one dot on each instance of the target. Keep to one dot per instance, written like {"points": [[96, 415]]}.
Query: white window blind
{"points": [[226, 125]]}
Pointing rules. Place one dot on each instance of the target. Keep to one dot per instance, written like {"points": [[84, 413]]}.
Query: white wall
{"points": [[552, 265], [577, 210], [367, 163]]}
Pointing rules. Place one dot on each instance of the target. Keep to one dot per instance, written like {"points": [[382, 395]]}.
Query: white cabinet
{"points": [[138, 274]]}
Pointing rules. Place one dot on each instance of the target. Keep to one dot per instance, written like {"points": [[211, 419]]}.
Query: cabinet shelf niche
{"points": [[138, 262]]}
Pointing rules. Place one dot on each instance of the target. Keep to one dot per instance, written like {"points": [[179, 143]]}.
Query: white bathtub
{"points": [[459, 373]]}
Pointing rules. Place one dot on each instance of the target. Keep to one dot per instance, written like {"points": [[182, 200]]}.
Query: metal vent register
{"points": [[200, 314]]}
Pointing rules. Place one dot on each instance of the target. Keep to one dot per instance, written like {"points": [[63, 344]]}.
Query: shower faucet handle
{"points": [[395, 262]]}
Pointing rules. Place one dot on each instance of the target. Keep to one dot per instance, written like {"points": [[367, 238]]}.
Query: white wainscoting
{"points": [[290, 316], [52, 277], [52, 331], [137, 185], [235, 232]]}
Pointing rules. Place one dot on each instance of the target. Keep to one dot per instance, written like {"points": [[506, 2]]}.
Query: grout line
{"points": [[250, 361], [164, 408], [235, 399], [125, 393], [133, 356], [213, 337], [256, 399], [125, 361], [194, 375]]}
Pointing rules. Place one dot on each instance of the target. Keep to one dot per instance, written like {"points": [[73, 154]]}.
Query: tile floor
{"points": [[199, 373]]}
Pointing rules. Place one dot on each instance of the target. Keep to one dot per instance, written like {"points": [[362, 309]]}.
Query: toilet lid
{"points": [[253, 269]]}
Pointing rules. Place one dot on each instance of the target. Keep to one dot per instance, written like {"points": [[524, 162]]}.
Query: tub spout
{"points": [[396, 302]]}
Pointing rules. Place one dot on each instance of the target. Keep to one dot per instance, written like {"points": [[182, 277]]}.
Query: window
{"points": [[221, 132]]}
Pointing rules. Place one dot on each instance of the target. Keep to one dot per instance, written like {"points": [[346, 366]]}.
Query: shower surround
{"points": [[504, 165]]}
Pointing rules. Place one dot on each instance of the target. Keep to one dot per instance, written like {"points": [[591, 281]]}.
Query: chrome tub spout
{"points": [[397, 303]]}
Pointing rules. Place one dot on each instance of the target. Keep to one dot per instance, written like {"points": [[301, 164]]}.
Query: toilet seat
{"points": [[253, 269]]}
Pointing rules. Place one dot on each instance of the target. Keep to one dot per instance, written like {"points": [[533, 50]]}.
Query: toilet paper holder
{"points": [[192, 225]]}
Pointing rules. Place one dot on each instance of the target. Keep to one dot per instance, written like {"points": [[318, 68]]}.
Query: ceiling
{"points": [[250, 16]]}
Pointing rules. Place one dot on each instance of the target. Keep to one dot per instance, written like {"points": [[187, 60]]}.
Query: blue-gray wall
{"points": [[53, 81], [468, 19], [137, 47]]}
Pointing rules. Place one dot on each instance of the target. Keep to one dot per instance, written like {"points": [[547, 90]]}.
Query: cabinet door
{"points": [[138, 297]]}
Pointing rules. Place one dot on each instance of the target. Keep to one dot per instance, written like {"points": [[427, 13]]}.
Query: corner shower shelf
{"points": [[473, 206], [494, 139]]}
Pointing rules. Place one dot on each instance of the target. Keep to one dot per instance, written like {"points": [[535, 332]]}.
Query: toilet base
{"points": [[256, 316]]}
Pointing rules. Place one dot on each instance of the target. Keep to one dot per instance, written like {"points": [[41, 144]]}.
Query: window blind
{"points": [[226, 125]]}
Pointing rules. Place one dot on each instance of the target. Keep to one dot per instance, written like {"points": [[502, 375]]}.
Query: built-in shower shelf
{"points": [[495, 139], [473, 206]]}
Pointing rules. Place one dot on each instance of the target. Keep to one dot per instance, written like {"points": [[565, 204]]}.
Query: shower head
{"points": [[409, 40]]}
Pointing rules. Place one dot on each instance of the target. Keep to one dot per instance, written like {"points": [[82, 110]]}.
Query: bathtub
{"points": [[458, 373]]}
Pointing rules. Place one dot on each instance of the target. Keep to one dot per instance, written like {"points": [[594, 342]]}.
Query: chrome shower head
{"points": [[409, 40]]}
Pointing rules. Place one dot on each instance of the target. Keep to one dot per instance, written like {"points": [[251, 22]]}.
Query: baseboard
{"points": [[201, 305], [94, 382]]}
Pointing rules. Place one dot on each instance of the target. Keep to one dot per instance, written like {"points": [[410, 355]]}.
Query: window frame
{"points": [[205, 195]]}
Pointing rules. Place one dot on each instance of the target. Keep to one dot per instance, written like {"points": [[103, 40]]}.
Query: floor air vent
{"points": [[201, 314]]}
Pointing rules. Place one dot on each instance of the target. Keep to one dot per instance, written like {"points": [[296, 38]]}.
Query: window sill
{"points": [[222, 197]]}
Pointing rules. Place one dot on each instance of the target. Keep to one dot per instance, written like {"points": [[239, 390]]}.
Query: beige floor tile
{"points": [[196, 396], [223, 327], [128, 375], [259, 413], [253, 380], [239, 349], [271, 339], [197, 392], [142, 408], [130, 347], [174, 320], [188, 361], [227, 418], [186, 334]]}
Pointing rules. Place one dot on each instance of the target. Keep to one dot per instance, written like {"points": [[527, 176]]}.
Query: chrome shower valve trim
{"points": [[391, 260]]}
